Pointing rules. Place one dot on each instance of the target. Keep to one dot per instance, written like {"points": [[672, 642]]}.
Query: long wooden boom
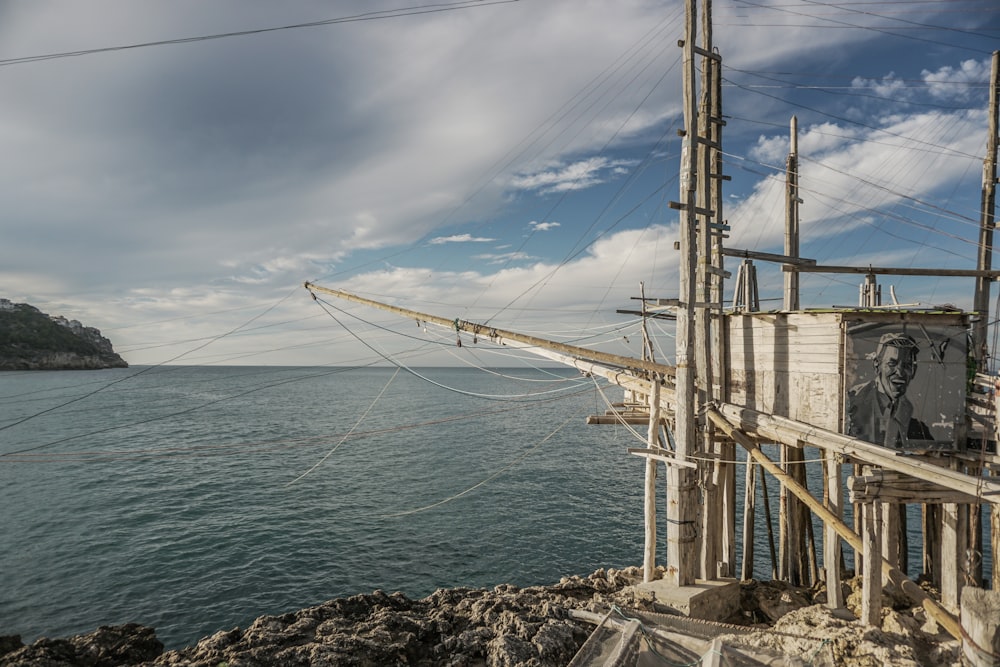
{"points": [[574, 351]]}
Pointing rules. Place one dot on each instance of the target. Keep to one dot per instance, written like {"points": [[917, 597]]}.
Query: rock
{"points": [[129, 644], [501, 627], [32, 340]]}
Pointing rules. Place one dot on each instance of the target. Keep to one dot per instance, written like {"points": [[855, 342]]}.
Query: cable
{"points": [[348, 434], [488, 479], [143, 371], [368, 16]]}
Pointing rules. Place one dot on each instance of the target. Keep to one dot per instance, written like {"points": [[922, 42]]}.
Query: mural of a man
{"points": [[878, 410]]}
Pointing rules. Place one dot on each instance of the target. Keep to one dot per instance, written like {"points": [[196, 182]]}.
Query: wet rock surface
{"points": [[498, 627]]}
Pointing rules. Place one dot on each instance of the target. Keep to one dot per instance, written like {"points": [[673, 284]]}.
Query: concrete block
{"points": [[714, 600]]}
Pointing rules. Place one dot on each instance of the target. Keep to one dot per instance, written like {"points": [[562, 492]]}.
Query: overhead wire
{"points": [[329, 307], [144, 370], [367, 16]]}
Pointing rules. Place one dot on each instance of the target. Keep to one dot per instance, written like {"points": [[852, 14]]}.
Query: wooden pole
{"points": [[792, 526], [831, 543], [995, 542], [981, 627], [871, 582], [503, 336], [770, 525], [749, 514], [791, 278], [781, 429], [981, 298], [653, 442], [682, 500], [900, 580]]}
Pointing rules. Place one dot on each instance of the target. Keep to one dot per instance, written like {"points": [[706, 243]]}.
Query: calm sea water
{"points": [[170, 498], [175, 497]]}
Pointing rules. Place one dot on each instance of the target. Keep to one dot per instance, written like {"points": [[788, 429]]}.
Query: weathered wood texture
{"points": [[871, 581], [888, 486], [899, 579], [980, 627], [787, 364]]}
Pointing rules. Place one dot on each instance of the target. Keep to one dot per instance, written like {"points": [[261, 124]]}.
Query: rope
{"points": [[504, 397], [348, 434], [485, 481]]}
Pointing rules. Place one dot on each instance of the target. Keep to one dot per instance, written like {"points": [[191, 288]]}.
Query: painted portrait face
{"points": [[895, 367]]}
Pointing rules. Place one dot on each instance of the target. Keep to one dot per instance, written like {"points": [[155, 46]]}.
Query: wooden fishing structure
{"points": [[804, 380]]}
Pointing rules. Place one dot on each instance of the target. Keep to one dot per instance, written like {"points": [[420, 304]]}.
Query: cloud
{"points": [[198, 185], [957, 82], [576, 176], [503, 258], [459, 238]]}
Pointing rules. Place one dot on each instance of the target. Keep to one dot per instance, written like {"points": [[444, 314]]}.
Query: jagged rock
{"points": [[499, 627], [109, 645], [32, 340]]}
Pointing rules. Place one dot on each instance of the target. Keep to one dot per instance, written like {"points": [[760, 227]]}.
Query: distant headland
{"points": [[32, 340]]}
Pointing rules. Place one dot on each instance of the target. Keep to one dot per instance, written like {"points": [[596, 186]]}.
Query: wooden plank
{"points": [[890, 533], [749, 512], [831, 543], [899, 579], [995, 540], [780, 429], [871, 580], [893, 271], [953, 544], [892, 487], [649, 499], [980, 627]]}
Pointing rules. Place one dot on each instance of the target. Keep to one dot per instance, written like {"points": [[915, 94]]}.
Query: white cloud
{"points": [[502, 258], [576, 176], [957, 82], [459, 238], [542, 226]]}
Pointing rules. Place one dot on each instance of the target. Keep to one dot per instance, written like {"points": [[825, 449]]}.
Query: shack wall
{"points": [[820, 368], [787, 364]]}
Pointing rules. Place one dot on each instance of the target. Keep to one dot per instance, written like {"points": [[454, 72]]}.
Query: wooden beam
{"points": [[871, 580], [768, 257], [892, 271], [789, 431], [889, 486], [899, 579], [831, 545], [501, 336]]}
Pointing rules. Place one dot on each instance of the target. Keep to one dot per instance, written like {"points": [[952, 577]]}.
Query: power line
{"points": [[367, 16]]}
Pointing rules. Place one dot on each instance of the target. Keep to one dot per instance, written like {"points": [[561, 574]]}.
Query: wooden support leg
{"points": [[995, 540], [871, 583], [749, 511], [980, 627], [890, 534], [831, 541], [652, 441], [727, 484], [931, 517], [954, 531]]}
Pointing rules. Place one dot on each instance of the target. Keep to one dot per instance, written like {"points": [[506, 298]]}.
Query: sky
{"points": [[173, 171]]}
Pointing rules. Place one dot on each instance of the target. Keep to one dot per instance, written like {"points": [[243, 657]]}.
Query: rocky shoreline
{"points": [[31, 340], [502, 627]]}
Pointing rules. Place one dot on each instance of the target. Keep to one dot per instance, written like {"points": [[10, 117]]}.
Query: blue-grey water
{"points": [[169, 498], [175, 497]]}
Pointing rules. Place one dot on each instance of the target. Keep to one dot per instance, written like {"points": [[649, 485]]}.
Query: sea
{"points": [[196, 498]]}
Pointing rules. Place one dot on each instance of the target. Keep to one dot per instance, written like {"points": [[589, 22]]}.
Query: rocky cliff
{"points": [[508, 626], [32, 340]]}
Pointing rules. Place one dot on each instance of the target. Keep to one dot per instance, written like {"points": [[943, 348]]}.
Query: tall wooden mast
{"points": [[987, 212], [682, 499]]}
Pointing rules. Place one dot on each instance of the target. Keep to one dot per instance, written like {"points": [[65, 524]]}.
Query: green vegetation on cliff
{"points": [[31, 340]]}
